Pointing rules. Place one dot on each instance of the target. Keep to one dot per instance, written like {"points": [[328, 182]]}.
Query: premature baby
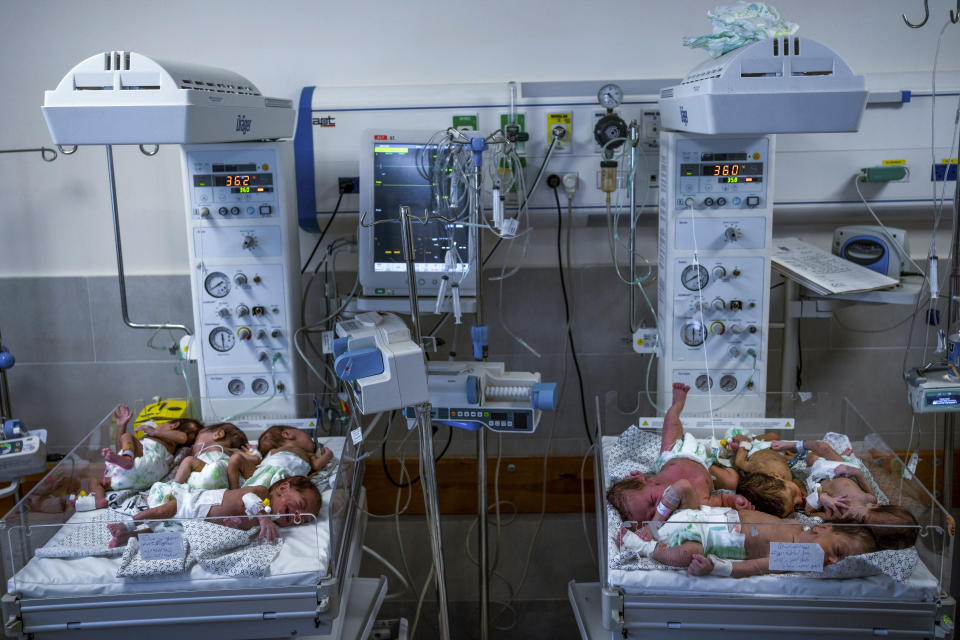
{"points": [[286, 452], [705, 541], [290, 502]]}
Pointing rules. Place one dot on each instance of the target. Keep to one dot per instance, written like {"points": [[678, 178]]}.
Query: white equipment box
{"points": [[716, 216], [244, 256], [122, 97]]}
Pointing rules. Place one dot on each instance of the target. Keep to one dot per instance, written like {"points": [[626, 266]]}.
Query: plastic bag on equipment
{"points": [[740, 24]]}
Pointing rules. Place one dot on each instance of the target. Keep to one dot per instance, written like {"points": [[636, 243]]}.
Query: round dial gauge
{"points": [[704, 382], [610, 96], [260, 386], [222, 339], [235, 386], [728, 382], [217, 284], [693, 333], [694, 277]]}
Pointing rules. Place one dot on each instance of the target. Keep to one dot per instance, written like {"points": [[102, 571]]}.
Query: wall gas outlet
{"points": [[564, 121]]}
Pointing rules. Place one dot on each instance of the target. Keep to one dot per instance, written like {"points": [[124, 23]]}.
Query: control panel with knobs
{"points": [[243, 240], [714, 259]]}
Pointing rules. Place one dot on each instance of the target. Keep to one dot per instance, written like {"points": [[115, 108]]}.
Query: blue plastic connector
{"points": [[545, 396], [478, 146], [480, 337], [6, 358], [340, 346], [361, 363], [473, 390]]}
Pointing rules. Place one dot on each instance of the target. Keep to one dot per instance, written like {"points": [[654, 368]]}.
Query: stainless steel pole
{"points": [[428, 474], [120, 274]]}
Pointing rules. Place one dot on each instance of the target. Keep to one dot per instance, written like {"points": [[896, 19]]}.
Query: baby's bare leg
{"points": [[188, 466], [164, 511], [672, 427], [677, 556]]}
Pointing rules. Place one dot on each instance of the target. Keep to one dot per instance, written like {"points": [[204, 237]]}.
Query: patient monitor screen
{"points": [[398, 181]]}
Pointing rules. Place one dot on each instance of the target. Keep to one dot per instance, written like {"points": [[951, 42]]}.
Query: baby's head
{"points": [[224, 434], [293, 498], [184, 425], [635, 498], [771, 495], [898, 527], [839, 542], [279, 435]]}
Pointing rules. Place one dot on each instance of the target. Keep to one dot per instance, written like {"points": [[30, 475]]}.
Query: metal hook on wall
{"points": [[955, 15], [926, 16], [143, 149], [63, 149], [48, 154]]}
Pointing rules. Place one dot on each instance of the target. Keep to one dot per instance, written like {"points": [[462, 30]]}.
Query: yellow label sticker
{"points": [[889, 162], [565, 120], [787, 425], [948, 161], [639, 342], [645, 424]]}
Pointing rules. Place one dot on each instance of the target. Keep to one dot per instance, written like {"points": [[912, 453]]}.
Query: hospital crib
{"points": [[61, 582], [649, 604]]}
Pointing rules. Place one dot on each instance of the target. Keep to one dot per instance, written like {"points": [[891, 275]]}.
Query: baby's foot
{"points": [[119, 533], [118, 459], [680, 394]]}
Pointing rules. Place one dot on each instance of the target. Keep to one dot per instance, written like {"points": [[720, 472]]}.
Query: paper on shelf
{"points": [[822, 271]]}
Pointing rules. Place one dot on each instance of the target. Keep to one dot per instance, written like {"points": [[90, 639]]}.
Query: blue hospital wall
{"points": [[59, 307]]}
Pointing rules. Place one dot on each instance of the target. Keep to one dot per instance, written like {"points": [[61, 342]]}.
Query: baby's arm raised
{"points": [[318, 462], [241, 464]]}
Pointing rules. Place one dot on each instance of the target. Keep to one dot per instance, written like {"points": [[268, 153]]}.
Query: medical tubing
{"points": [[323, 233], [379, 558], [423, 594], [401, 484], [566, 311]]}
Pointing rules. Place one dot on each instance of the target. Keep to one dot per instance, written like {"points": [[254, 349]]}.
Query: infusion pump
{"points": [[244, 254], [715, 231]]}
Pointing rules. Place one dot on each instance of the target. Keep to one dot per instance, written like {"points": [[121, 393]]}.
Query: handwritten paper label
{"points": [[161, 546], [796, 556], [356, 435], [326, 342]]}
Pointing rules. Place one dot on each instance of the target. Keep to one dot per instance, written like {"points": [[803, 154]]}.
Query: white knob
{"points": [[242, 310], [719, 273], [732, 234], [224, 312], [718, 304], [736, 328], [240, 279], [734, 351], [689, 202], [204, 211], [249, 242]]}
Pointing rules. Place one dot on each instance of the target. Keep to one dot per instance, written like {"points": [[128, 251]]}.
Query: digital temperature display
{"points": [[724, 169], [243, 180]]}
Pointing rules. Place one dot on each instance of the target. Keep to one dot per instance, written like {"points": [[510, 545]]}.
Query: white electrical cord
{"points": [[379, 558]]}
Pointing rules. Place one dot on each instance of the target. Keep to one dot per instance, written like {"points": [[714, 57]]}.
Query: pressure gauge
{"points": [[235, 386], [693, 333], [704, 382], [610, 96], [217, 284], [728, 383], [260, 386], [222, 339], [694, 277]]}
